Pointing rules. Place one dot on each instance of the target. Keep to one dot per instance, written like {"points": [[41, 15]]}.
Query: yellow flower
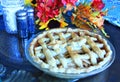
{"points": [[27, 2], [43, 25], [62, 23], [46, 24]]}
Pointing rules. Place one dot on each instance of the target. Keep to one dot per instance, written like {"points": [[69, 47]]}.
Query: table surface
{"points": [[11, 57]]}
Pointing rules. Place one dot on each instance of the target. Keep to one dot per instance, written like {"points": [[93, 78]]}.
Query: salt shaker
{"points": [[22, 24], [10, 7]]}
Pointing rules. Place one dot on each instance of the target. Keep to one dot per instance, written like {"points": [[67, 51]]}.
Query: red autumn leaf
{"points": [[98, 4]]}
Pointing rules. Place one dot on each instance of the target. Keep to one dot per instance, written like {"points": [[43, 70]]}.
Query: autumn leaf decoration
{"points": [[49, 13], [91, 14]]}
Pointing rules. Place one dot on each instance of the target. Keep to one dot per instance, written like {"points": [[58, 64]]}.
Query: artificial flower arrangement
{"points": [[90, 14], [50, 13]]}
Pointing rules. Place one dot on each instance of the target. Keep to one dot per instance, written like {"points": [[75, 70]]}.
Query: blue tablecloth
{"points": [[110, 75], [114, 31]]}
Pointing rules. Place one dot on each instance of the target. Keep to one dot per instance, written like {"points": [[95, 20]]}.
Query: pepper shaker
{"points": [[22, 23], [31, 20]]}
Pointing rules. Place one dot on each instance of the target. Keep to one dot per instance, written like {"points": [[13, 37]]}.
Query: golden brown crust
{"points": [[70, 50]]}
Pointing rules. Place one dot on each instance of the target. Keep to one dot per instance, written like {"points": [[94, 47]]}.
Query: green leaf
{"points": [[96, 13]]}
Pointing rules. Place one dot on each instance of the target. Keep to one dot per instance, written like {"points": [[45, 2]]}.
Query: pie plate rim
{"points": [[69, 75]]}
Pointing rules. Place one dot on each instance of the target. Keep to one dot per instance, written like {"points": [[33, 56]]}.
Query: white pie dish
{"points": [[69, 75]]}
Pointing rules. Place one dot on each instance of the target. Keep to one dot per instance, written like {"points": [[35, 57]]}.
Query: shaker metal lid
{"points": [[30, 9], [21, 13]]}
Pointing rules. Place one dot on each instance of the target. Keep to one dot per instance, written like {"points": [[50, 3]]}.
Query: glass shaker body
{"points": [[22, 23], [10, 7], [31, 19]]}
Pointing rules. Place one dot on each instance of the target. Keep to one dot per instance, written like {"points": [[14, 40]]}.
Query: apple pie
{"points": [[70, 50]]}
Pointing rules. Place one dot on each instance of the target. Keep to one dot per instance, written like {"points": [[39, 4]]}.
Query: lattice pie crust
{"points": [[70, 50]]}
